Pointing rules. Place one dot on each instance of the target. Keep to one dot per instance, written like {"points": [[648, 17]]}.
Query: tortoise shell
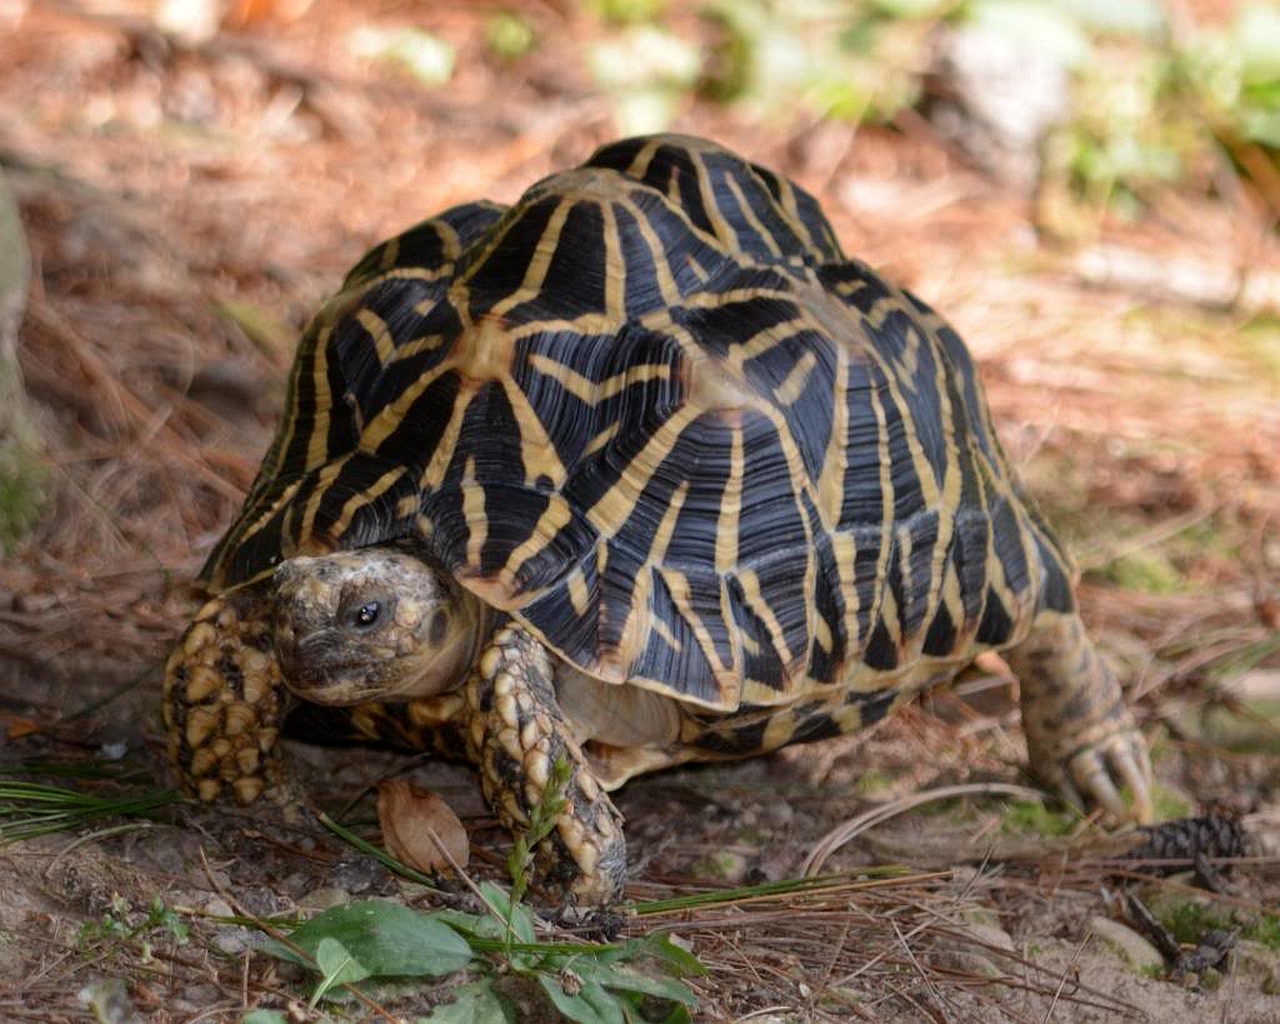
{"points": [[653, 413]]}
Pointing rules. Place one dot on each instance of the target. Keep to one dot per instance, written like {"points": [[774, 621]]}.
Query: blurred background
{"points": [[1089, 189]]}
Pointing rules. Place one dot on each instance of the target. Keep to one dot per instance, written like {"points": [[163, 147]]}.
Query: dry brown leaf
{"points": [[419, 828]]}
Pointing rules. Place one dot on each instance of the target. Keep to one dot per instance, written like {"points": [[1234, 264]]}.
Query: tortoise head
{"points": [[372, 624]]}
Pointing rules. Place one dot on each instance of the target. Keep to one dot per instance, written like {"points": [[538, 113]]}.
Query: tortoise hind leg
{"points": [[1081, 737], [516, 733]]}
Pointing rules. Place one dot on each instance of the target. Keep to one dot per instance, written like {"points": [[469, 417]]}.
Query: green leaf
{"points": [[476, 1003], [387, 938], [337, 967], [642, 1009], [264, 1017], [616, 976], [591, 1004], [659, 946], [519, 916], [476, 926]]}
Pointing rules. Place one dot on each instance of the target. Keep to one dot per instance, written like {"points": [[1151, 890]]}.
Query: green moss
{"points": [[873, 782], [1146, 571], [22, 495], [1266, 930], [1031, 816], [1257, 341], [1168, 804], [1190, 919]]}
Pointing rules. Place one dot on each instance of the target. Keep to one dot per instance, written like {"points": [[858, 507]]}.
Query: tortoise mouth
{"points": [[313, 668], [336, 692]]}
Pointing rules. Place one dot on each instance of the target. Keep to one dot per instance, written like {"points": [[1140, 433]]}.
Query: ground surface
{"points": [[187, 209]]}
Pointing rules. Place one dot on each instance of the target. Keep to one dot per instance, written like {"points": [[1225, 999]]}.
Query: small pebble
{"points": [[323, 898], [1128, 944]]}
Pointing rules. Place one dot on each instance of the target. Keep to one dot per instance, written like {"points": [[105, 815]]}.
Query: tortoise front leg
{"points": [[1081, 738], [224, 701], [517, 732]]}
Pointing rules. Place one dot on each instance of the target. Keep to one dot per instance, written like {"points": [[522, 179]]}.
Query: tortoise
{"points": [[638, 471]]}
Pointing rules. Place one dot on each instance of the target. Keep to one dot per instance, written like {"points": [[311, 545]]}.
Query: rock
{"points": [[991, 935], [1128, 944], [108, 999], [357, 874], [779, 814], [1255, 964], [996, 98], [323, 898], [728, 865], [975, 947]]}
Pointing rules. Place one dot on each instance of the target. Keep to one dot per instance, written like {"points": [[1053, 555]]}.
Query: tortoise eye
{"points": [[366, 615]]}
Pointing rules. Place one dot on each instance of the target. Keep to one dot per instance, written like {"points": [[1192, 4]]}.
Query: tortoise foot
{"points": [[224, 702], [531, 766], [1081, 738]]}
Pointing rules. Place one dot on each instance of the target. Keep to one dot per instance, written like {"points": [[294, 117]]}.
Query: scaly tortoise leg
{"points": [[1081, 738], [224, 701], [516, 732]]}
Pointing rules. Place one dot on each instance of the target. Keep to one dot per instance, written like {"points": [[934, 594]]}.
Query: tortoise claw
{"points": [[1102, 771]]}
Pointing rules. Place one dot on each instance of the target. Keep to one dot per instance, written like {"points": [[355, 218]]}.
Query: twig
{"points": [[842, 834]]}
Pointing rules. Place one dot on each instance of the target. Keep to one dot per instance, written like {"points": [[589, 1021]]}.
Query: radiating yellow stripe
{"points": [[318, 442], [714, 300], [843, 550], [615, 267], [579, 596], [726, 237], [378, 330], [614, 506], [426, 343], [392, 416], [791, 207], [726, 681], [659, 626], [473, 513], [586, 390], [835, 461], [762, 341], [729, 523], [366, 497], [414, 274], [667, 527], [328, 474], [797, 379], [554, 518], [749, 215], [543, 253], [433, 474], [764, 612], [644, 156], [602, 438]]}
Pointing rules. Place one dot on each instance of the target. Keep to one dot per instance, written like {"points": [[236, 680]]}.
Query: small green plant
{"points": [[509, 34], [1021, 817], [30, 809], [123, 924], [586, 982]]}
